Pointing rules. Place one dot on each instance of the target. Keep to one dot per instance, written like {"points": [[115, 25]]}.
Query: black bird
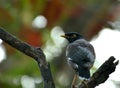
{"points": [[80, 54]]}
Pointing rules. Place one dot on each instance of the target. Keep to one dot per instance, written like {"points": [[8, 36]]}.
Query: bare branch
{"points": [[36, 53], [102, 74]]}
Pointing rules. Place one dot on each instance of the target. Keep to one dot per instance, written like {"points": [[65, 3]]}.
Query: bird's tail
{"points": [[84, 72]]}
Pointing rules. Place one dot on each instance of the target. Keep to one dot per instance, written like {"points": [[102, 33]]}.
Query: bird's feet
{"points": [[85, 83], [74, 81], [73, 86]]}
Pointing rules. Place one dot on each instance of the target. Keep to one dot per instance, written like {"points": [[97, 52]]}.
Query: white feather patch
{"points": [[76, 66], [69, 58], [83, 78]]}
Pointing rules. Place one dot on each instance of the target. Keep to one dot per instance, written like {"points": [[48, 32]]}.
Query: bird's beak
{"points": [[63, 36]]}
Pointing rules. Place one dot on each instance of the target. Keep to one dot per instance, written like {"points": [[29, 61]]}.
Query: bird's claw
{"points": [[85, 83]]}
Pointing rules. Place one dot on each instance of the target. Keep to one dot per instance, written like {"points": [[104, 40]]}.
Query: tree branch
{"points": [[36, 53], [102, 74]]}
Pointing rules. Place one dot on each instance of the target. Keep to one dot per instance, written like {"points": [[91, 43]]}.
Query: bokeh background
{"points": [[41, 22]]}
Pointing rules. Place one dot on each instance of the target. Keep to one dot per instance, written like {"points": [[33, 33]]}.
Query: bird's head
{"points": [[72, 36]]}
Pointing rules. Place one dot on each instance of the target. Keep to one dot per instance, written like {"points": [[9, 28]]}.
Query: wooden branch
{"points": [[102, 74], [36, 53]]}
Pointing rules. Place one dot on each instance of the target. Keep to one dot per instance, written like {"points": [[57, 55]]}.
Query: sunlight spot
{"points": [[2, 51], [54, 48], [0, 41], [63, 79], [107, 44], [55, 34], [107, 84], [39, 22], [27, 82]]}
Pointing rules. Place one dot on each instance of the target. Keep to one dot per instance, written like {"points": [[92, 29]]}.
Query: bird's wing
{"points": [[79, 53]]}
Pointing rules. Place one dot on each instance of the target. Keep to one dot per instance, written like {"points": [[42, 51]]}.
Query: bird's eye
{"points": [[74, 36]]}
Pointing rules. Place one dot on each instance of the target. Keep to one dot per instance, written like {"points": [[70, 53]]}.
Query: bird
{"points": [[80, 55]]}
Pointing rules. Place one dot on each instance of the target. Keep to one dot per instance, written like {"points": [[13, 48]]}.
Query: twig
{"points": [[102, 74], [36, 53]]}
